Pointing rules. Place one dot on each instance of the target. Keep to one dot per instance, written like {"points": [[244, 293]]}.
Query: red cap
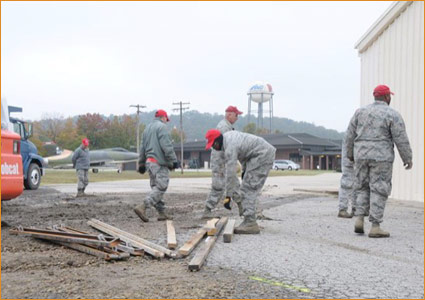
{"points": [[234, 109], [161, 113], [85, 142], [382, 90], [211, 135]]}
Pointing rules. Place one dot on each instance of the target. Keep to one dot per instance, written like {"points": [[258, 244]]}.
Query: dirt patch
{"points": [[33, 268]]}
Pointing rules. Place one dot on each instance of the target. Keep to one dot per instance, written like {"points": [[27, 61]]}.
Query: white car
{"points": [[285, 165]]}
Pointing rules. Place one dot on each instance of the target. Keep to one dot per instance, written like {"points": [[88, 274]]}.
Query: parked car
{"points": [[285, 165]]}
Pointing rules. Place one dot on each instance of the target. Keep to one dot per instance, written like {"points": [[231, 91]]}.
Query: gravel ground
{"points": [[304, 252]]}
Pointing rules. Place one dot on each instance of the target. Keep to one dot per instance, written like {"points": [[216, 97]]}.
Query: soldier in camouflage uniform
{"points": [[370, 139], [218, 167], [158, 157], [256, 157], [81, 162]]}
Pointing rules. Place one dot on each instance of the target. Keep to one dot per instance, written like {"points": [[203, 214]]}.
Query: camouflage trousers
{"points": [[256, 173], [83, 179], [346, 189], [218, 180], [159, 179], [372, 182]]}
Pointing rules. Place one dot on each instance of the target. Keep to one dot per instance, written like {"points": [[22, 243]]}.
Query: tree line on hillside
{"points": [[120, 131]]}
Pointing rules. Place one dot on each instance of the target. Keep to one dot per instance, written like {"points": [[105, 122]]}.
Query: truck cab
{"points": [[33, 164], [11, 160]]}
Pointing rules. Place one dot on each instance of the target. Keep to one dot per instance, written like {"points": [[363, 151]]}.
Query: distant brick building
{"points": [[309, 151]]}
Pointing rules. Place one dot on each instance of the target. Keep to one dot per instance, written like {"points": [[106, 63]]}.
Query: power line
{"points": [[181, 109], [138, 106]]}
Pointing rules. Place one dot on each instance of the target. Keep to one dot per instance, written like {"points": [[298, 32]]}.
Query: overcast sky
{"points": [[73, 58]]}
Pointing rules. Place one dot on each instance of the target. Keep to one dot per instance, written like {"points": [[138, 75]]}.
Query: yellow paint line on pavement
{"points": [[282, 284]]}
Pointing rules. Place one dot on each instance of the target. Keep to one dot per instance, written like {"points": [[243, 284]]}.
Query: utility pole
{"points": [[138, 106], [181, 108]]}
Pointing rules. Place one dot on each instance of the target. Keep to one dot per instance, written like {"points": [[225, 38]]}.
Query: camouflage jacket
{"points": [[81, 158], [372, 132], [156, 143], [224, 126], [252, 151]]}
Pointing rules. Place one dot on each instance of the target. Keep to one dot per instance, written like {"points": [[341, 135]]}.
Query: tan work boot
{"points": [[358, 226], [248, 226], [141, 212], [162, 216], [344, 214], [377, 232]]}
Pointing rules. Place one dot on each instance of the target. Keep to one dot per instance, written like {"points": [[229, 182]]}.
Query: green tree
{"points": [[92, 126], [69, 137]]}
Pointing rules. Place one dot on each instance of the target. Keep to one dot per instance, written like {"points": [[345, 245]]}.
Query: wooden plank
{"points": [[192, 242], [228, 231], [171, 235], [127, 239], [200, 257], [59, 236], [106, 254], [121, 247], [211, 226], [133, 237]]}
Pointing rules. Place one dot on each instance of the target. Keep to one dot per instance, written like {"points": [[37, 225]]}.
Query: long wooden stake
{"points": [[171, 235]]}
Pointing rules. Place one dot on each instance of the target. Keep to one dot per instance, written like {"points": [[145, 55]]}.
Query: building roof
{"points": [[388, 17], [281, 140]]}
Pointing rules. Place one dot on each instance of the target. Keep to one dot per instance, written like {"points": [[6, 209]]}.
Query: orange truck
{"points": [[11, 165]]}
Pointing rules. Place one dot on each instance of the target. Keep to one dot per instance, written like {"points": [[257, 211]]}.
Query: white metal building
{"points": [[392, 53]]}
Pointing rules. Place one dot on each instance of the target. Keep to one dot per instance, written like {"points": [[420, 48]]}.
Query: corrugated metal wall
{"points": [[396, 59]]}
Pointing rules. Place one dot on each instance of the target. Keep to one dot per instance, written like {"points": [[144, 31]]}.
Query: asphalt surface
{"points": [[312, 251]]}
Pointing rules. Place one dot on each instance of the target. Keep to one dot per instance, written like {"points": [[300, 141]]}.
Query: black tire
{"points": [[276, 168], [33, 177], [95, 170], [289, 168]]}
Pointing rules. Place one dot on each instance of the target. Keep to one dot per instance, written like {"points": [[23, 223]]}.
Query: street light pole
{"points": [[138, 106], [181, 108]]}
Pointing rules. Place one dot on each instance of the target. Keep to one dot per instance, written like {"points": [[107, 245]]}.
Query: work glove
{"points": [[142, 169], [226, 203], [175, 165], [408, 165]]}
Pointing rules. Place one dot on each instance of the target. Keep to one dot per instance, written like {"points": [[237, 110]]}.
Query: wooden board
{"points": [[127, 237], [200, 256], [211, 226], [192, 242], [171, 235], [228, 231]]}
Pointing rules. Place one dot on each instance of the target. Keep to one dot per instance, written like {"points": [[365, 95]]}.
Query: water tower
{"points": [[261, 93]]}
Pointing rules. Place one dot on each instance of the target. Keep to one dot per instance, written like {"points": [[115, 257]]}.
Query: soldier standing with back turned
{"points": [[370, 139]]}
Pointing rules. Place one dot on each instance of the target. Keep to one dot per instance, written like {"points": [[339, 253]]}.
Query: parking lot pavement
{"points": [[310, 250]]}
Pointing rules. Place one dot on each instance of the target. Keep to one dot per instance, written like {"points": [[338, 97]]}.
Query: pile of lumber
{"points": [[106, 247], [117, 244]]}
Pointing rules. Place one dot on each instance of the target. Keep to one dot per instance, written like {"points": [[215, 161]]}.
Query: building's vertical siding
{"points": [[396, 59]]}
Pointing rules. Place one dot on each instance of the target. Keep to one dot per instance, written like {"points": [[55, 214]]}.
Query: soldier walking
{"points": [[81, 162], [158, 157], [218, 167], [370, 139], [256, 156]]}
